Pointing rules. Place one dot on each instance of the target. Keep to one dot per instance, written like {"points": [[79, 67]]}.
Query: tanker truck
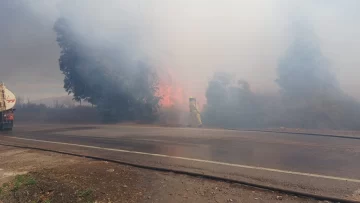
{"points": [[7, 104]]}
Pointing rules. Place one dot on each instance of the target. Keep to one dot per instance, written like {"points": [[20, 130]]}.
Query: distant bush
{"points": [[232, 104], [35, 113]]}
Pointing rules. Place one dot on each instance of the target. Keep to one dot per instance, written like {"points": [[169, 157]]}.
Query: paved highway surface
{"points": [[313, 164]]}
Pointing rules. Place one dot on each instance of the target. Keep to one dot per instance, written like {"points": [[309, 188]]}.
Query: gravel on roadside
{"points": [[44, 177]]}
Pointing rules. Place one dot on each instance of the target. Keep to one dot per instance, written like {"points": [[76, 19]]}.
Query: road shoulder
{"points": [[30, 175]]}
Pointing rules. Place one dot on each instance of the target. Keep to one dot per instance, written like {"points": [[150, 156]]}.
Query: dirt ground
{"points": [[43, 177]]}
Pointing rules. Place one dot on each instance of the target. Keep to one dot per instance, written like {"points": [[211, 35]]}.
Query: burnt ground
{"points": [[44, 177]]}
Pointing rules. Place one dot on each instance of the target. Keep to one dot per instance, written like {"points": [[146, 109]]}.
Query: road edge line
{"points": [[197, 160], [194, 174]]}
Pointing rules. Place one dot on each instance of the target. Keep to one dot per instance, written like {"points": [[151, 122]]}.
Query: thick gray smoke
{"points": [[230, 103], [191, 39], [108, 74], [310, 95], [304, 71]]}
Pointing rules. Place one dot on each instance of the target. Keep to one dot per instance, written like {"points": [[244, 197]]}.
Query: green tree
{"points": [[101, 75], [311, 93], [230, 103], [304, 72]]}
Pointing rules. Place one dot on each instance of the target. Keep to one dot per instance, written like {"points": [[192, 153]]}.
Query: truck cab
{"points": [[7, 119]]}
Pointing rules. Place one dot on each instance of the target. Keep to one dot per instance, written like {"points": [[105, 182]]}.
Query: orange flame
{"points": [[171, 91], [171, 95]]}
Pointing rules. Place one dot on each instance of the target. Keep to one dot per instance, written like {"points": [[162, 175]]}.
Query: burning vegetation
{"points": [[106, 70], [171, 94]]}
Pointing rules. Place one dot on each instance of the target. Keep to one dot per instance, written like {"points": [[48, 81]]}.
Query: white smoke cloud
{"points": [[192, 38]]}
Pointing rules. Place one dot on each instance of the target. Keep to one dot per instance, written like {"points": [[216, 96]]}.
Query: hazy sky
{"points": [[190, 38]]}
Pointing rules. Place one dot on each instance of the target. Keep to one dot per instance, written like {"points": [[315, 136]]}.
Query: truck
{"points": [[7, 108]]}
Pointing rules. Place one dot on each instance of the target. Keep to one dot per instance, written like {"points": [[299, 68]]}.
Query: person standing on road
{"points": [[195, 117]]}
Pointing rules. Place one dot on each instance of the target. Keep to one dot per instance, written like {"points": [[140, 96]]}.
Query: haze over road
{"points": [[316, 164]]}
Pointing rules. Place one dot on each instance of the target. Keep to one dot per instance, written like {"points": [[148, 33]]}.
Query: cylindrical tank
{"points": [[7, 104], [7, 98]]}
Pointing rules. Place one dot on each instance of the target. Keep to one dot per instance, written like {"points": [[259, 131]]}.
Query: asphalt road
{"points": [[314, 164]]}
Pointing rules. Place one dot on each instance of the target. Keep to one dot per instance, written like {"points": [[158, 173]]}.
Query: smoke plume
{"points": [[192, 39], [122, 89], [310, 95]]}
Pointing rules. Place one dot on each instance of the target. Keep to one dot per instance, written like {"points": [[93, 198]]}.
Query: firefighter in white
{"points": [[195, 118]]}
